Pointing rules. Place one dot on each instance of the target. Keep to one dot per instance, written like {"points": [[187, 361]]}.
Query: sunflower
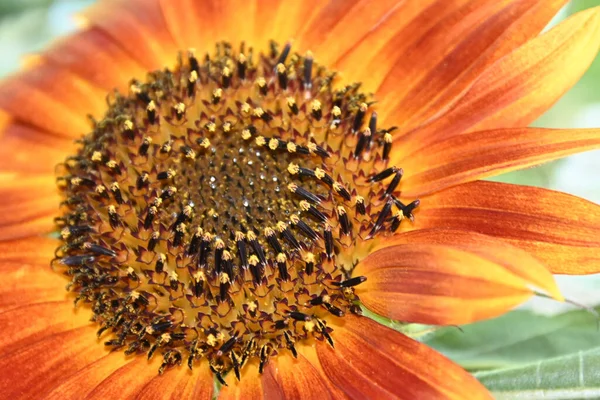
{"points": [[223, 186]]}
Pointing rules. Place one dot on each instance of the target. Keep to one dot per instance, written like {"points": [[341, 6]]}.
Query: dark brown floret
{"points": [[210, 213]]}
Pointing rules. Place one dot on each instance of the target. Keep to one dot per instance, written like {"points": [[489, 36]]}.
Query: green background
{"points": [[545, 349]]}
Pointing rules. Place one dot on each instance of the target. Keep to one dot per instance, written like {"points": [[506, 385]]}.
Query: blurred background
{"points": [[542, 338]]}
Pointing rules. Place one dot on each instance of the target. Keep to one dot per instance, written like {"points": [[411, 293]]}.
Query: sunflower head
{"points": [[218, 209]]}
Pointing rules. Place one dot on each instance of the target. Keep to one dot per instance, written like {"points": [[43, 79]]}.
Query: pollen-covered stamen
{"points": [[217, 211]]}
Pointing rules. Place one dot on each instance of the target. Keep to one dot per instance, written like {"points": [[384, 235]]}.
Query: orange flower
{"points": [[233, 211]]}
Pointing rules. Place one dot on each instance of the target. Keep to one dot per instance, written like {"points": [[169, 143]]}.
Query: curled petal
{"points": [[438, 285], [376, 362], [560, 230], [482, 154], [28, 206], [494, 249], [520, 86], [443, 83]]}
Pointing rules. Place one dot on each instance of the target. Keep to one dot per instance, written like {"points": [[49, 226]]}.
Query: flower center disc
{"points": [[218, 209]]}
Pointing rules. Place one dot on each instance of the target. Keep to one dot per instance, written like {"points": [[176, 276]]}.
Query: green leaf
{"points": [[575, 376], [516, 339]]}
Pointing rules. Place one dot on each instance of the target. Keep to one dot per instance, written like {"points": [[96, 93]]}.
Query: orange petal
{"points": [[560, 230], [30, 151], [178, 383], [493, 249], [30, 323], [299, 378], [34, 369], [517, 88], [28, 206], [448, 73], [438, 285], [481, 154], [376, 362], [94, 56], [52, 99], [250, 387], [139, 27], [26, 274]]}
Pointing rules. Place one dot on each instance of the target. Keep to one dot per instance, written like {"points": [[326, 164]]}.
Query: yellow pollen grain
{"points": [[227, 127], [336, 112], [281, 258], [252, 306], [315, 105], [173, 275], [341, 210], [309, 257], [152, 210], [199, 276], [290, 101], [292, 187], [295, 219], [239, 235], [304, 205], [182, 228], [227, 255], [387, 138], [326, 299], [111, 164], [269, 231], [363, 107], [191, 154], [65, 233], [246, 108], [111, 209], [135, 89], [151, 106], [155, 235], [211, 340], [253, 260], [179, 108], [193, 77], [260, 141], [226, 72], [399, 214], [260, 82], [211, 126], [309, 326], [246, 134], [165, 338], [281, 226], [162, 257], [75, 181], [273, 144], [251, 235], [224, 278], [217, 93], [337, 186], [319, 173], [367, 132], [128, 125], [205, 143], [96, 156], [291, 147], [157, 201], [293, 168], [100, 189], [280, 68], [258, 112], [242, 58], [359, 200], [130, 270], [219, 244]]}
